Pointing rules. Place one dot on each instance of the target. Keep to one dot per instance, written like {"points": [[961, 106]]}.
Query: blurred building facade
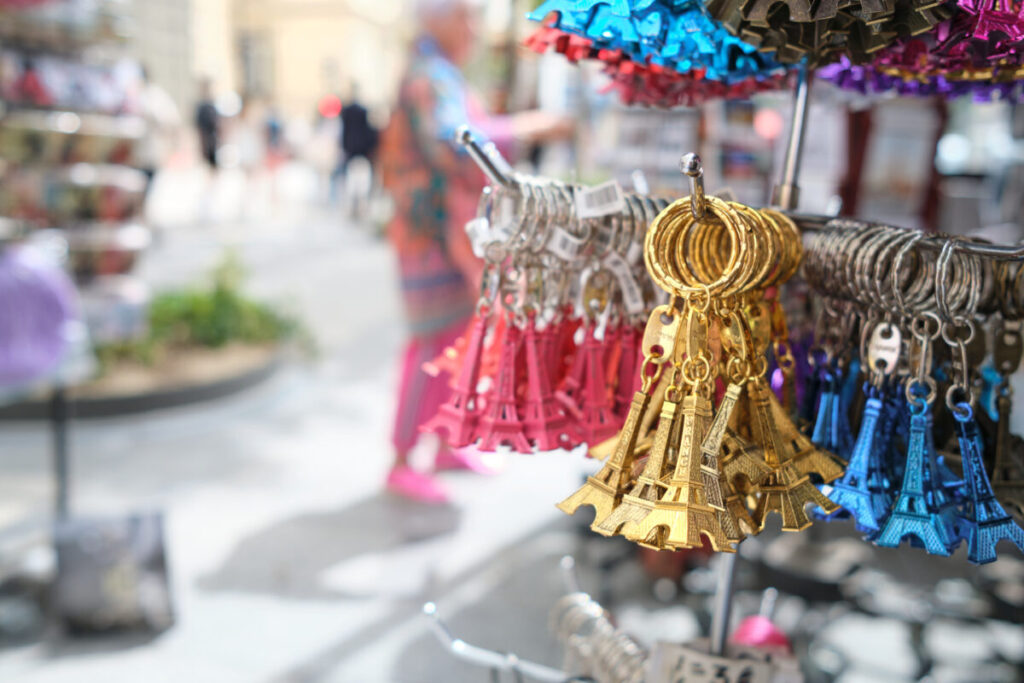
{"points": [[291, 52], [163, 39], [296, 51]]}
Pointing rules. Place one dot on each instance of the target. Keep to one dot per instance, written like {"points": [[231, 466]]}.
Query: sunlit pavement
{"points": [[288, 562]]}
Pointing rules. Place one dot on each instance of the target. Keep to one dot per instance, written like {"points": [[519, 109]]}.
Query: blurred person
{"points": [[359, 138], [435, 187], [207, 121], [273, 130], [248, 135], [163, 125]]}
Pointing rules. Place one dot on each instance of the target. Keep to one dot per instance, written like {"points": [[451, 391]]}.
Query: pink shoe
{"points": [[408, 483], [464, 459]]}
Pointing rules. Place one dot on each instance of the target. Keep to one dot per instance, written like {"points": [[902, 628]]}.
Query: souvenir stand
{"points": [[654, 331], [69, 127]]}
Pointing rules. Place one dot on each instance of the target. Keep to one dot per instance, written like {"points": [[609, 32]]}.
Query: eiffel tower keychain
{"points": [[863, 488], [692, 506], [605, 490], [1008, 470], [913, 513], [984, 521]]}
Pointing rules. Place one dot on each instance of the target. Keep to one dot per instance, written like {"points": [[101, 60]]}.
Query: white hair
{"points": [[426, 9]]}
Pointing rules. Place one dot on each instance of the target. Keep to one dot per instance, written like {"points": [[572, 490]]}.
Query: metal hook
{"points": [[691, 166], [464, 137], [569, 578], [489, 658]]}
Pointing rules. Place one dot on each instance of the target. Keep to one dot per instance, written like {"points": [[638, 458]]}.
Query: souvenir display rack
{"points": [[923, 499], [69, 132]]}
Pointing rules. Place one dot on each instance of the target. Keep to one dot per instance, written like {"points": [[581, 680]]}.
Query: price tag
{"points": [[565, 246], [634, 253], [632, 295], [1009, 347], [640, 184], [601, 200], [478, 230]]}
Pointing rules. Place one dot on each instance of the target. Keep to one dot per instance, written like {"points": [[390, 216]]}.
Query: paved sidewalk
{"points": [[288, 561]]}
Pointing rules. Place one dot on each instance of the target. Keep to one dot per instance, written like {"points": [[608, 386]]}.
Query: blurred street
{"points": [[288, 561]]}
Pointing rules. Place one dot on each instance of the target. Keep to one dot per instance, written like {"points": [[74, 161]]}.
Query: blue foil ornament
{"points": [[677, 34]]}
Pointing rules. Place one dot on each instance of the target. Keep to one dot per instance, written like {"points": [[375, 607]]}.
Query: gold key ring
{"points": [[671, 225]]}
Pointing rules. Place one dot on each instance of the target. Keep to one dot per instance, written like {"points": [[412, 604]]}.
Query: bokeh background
{"points": [[220, 415]]}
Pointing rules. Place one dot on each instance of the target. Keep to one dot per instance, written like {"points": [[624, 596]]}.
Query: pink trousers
{"points": [[419, 394]]}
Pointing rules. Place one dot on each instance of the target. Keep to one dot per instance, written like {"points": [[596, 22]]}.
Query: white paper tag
{"points": [[640, 184], [565, 246], [634, 253], [601, 200], [478, 230], [632, 295]]}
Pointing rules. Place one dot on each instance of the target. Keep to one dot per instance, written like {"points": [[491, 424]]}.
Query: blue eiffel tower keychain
{"points": [[913, 514], [813, 388], [984, 521], [863, 488], [832, 424]]}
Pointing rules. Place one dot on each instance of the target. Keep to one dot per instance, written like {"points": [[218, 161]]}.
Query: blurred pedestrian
{"points": [[207, 122], [435, 187], [359, 138], [273, 128], [163, 126], [248, 135]]}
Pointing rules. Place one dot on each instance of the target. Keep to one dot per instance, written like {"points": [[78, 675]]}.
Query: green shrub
{"points": [[210, 317]]}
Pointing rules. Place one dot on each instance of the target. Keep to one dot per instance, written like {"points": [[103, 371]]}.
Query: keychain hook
{"points": [[691, 166]]}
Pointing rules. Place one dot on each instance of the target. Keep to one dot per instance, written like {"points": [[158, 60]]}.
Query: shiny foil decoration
{"points": [[650, 84], [660, 35], [978, 52], [826, 30], [984, 85]]}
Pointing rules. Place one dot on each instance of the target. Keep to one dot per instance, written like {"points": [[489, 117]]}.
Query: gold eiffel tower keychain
{"points": [[787, 489], [645, 440], [691, 507], [604, 490], [685, 503], [808, 458], [653, 480]]}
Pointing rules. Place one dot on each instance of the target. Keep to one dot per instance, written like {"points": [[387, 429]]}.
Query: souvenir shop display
{"points": [[653, 330], [670, 53], [69, 131], [662, 55]]}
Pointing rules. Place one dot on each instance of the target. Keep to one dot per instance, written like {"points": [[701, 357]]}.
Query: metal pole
{"points": [[787, 193], [723, 603], [59, 427]]}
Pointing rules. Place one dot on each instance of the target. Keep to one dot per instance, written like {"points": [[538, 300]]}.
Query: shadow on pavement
{"points": [[290, 557]]}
